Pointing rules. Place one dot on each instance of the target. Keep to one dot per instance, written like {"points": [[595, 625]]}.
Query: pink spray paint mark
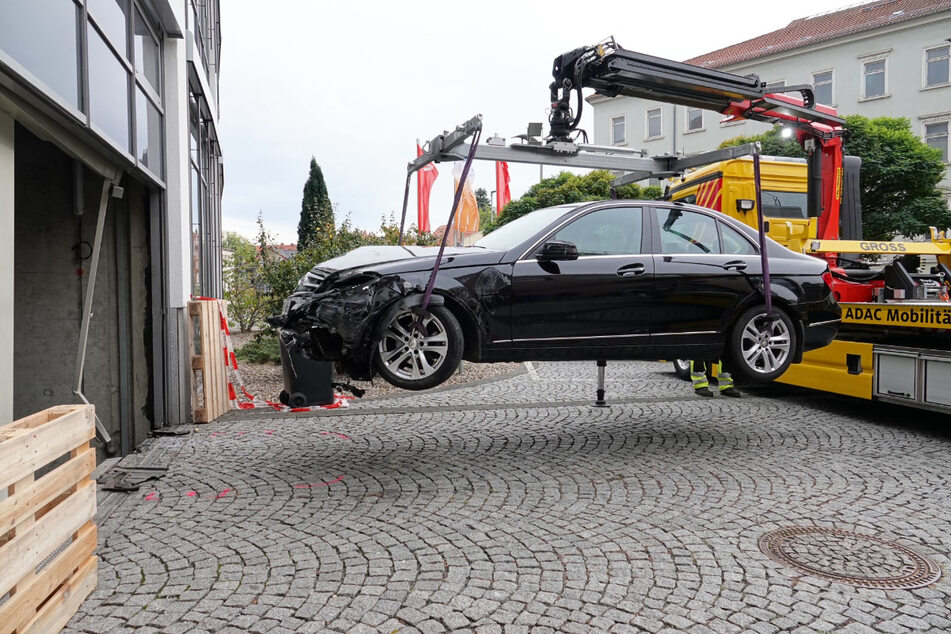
{"points": [[223, 493], [269, 432], [151, 496], [241, 433], [319, 484], [191, 494], [337, 434], [214, 434]]}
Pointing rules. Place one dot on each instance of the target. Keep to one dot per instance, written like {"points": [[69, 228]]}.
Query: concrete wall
{"points": [[6, 266], [903, 43]]}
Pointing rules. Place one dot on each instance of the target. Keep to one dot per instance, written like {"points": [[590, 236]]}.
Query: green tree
{"points": [[486, 210], [316, 214], [899, 177], [572, 188], [247, 306]]}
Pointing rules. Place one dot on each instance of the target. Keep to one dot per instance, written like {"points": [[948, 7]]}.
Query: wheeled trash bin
{"points": [[307, 381]]}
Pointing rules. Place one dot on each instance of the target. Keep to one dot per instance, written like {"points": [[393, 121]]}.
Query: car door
{"points": [[602, 299], [703, 268]]}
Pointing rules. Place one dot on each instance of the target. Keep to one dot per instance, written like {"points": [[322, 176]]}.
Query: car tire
{"points": [[682, 369], [415, 359], [756, 355]]}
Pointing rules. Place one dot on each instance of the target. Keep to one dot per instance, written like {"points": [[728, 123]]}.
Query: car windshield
{"points": [[514, 233]]}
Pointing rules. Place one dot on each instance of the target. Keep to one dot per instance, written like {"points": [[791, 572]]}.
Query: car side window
{"points": [[685, 231], [733, 242], [614, 231]]}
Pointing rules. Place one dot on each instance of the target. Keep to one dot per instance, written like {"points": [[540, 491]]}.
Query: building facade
{"points": [[110, 214], [876, 59]]}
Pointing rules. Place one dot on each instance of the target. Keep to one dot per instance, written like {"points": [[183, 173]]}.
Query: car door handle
{"points": [[631, 270], [735, 265]]}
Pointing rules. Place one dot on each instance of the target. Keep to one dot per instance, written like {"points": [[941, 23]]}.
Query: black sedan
{"points": [[604, 280]]}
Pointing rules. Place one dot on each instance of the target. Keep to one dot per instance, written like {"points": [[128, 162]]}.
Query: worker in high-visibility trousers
{"points": [[701, 384]]}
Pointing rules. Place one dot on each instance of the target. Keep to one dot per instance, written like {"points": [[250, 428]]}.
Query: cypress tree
{"points": [[316, 213]]}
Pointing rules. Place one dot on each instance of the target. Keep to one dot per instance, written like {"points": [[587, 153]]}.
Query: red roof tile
{"points": [[819, 28]]}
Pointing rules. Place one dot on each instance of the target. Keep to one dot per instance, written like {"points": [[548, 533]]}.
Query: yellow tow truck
{"points": [[895, 340]]}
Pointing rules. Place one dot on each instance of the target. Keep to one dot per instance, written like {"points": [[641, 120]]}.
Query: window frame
{"points": [[646, 241], [924, 66], [623, 121], [831, 83], [946, 120], [871, 58], [647, 123], [687, 128]]}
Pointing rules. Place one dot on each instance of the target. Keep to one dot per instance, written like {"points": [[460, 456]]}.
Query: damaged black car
{"points": [[606, 280]]}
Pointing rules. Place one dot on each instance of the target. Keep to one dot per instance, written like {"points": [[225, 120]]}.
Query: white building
{"points": [[882, 58], [98, 95]]}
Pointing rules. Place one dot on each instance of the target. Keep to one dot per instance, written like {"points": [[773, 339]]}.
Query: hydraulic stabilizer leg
{"points": [[600, 397]]}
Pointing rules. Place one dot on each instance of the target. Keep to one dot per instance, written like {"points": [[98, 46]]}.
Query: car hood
{"points": [[364, 256]]}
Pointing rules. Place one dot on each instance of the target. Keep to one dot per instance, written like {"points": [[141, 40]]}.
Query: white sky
{"points": [[356, 83]]}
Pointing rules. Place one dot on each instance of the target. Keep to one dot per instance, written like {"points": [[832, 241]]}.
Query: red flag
{"points": [[503, 194], [425, 178]]}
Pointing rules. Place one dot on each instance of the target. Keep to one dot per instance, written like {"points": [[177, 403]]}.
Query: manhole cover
{"points": [[859, 560]]}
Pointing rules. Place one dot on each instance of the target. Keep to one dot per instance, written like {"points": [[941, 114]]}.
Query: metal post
{"points": [[767, 290], [600, 402], [409, 177], [87, 305]]}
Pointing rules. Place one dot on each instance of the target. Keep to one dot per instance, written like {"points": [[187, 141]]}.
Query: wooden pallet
{"points": [[209, 372], [47, 535]]}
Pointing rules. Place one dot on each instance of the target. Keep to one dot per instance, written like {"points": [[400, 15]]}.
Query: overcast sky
{"points": [[354, 84]]}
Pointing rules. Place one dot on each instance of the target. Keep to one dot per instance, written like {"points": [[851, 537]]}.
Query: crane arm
{"points": [[612, 71]]}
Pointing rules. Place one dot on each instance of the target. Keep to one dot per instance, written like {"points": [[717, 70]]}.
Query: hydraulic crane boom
{"points": [[612, 71]]}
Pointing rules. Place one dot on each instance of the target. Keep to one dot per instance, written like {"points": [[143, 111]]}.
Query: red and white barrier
{"points": [[246, 400]]}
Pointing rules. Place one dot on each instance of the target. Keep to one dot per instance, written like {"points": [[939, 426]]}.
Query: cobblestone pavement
{"points": [[515, 506]]}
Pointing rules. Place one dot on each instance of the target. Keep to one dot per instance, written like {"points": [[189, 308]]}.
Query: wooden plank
{"points": [[46, 489], [41, 418], [24, 454], [56, 612], [21, 607], [27, 550]]}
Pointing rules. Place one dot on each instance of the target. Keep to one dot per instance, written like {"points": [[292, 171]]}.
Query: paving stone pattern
{"points": [[515, 506]]}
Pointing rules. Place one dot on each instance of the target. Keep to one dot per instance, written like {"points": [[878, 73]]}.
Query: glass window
{"points": [[147, 60], [822, 87], [874, 78], [936, 135], [617, 130], [936, 62], [733, 242], [148, 134], [778, 204], [108, 90], [605, 232], [514, 233], [684, 231], [27, 23], [654, 120], [694, 119], [112, 16]]}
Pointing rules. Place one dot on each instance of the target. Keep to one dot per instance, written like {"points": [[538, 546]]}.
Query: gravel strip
{"points": [[265, 380]]}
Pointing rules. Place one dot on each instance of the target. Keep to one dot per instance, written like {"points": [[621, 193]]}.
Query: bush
{"points": [[263, 348]]}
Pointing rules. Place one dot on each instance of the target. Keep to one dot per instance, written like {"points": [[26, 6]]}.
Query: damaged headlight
{"points": [[289, 303]]}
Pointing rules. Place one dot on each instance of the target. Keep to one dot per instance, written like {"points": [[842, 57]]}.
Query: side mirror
{"points": [[556, 250]]}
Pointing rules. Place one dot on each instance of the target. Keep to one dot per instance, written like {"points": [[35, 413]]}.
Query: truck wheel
{"points": [[419, 352], [760, 350]]}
